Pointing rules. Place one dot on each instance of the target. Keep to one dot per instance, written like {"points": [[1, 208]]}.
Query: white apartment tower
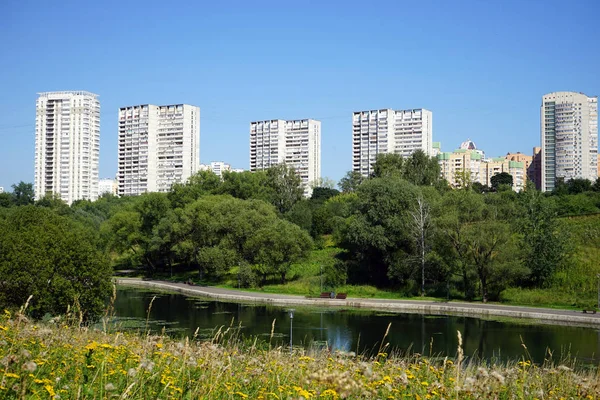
{"points": [[67, 145], [389, 131], [569, 136], [158, 146], [296, 143]]}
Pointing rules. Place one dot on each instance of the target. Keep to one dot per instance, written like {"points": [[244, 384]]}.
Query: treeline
{"points": [[403, 228]]}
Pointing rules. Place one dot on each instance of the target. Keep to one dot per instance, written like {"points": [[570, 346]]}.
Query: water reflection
{"points": [[355, 330]]}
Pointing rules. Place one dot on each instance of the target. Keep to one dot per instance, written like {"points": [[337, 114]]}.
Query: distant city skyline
{"points": [[480, 67]]}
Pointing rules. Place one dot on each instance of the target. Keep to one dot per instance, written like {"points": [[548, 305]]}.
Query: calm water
{"points": [[352, 330]]}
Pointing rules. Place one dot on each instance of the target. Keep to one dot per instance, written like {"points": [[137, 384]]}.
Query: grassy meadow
{"points": [[61, 360]]}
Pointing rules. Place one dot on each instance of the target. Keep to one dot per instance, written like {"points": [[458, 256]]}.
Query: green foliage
{"points": [[544, 249], [245, 185], [276, 246], [418, 169], [23, 193], [55, 260], [284, 187], [200, 184], [301, 214], [376, 235], [246, 276], [503, 179], [351, 181]]}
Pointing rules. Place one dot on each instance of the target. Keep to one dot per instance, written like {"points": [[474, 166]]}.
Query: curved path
{"points": [[571, 317]]}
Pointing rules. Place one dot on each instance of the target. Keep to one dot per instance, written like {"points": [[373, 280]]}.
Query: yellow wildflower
{"points": [[11, 375], [50, 390]]}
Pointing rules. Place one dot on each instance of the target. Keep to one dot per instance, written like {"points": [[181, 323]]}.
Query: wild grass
{"points": [[63, 360]]}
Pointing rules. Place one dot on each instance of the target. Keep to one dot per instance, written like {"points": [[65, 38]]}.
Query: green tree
{"points": [[387, 165], [199, 184], [23, 193], [322, 194], [503, 179], [575, 186], [245, 185], [56, 261], [492, 250], [301, 214], [421, 170], [376, 234], [459, 209], [6, 200], [217, 223], [285, 187], [545, 249], [351, 181], [275, 247]]}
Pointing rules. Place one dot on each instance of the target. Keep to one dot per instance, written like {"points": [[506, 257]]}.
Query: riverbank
{"points": [[570, 317]]}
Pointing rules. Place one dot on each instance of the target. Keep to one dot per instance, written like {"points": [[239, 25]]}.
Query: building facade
{"points": [[389, 131], [107, 185], [218, 167], [569, 136], [67, 145], [468, 165], [496, 165], [297, 143], [158, 146], [460, 167]]}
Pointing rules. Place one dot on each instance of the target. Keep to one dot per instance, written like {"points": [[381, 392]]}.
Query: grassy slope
{"points": [[578, 283], [50, 361]]}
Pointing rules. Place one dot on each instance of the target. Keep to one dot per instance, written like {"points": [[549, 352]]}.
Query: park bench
{"points": [[325, 295], [340, 296]]}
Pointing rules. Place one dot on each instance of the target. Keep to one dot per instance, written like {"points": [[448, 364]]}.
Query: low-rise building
{"points": [[468, 165], [107, 185], [218, 167]]}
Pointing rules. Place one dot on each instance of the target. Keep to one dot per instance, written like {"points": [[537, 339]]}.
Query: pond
{"points": [[356, 330]]}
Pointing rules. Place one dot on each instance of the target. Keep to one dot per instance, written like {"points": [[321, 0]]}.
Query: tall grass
{"points": [[64, 360]]}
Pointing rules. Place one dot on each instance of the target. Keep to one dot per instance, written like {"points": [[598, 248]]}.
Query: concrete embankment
{"points": [[544, 315]]}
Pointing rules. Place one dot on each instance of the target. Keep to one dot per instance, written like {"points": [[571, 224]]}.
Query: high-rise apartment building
{"points": [[389, 131], [569, 136], [296, 143], [67, 145], [158, 146]]}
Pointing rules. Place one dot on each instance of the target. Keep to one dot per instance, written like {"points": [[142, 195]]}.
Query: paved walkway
{"points": [[412, 306]]}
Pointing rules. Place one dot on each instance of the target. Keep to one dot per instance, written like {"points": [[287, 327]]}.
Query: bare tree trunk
{"points": [[420, 223]]}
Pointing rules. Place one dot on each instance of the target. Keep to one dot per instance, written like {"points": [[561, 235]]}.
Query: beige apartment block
{"points": [[460, 167], [497, 165]]}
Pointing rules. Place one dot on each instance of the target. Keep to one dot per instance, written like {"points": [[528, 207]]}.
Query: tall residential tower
{"points": [[569, 136], [389, 131], [296, 143], [158, 146], [67, 145]]}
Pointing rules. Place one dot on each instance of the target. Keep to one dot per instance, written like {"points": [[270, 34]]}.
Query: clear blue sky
{"points": [[481, 67]]}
